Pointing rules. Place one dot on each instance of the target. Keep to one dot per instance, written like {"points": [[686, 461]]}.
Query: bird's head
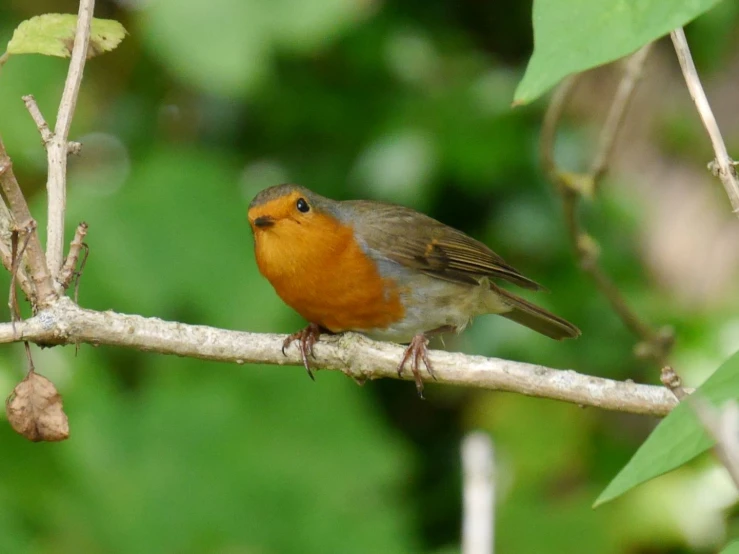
{"points": [[284, 209]]}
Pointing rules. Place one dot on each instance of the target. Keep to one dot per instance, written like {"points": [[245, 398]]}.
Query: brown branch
{"points": [[614, 120], [17, 251], [43, 128], [672, 381], [58, 147], [75, 249], [7, 225], [723, 166], [40, 278], [38, 119], [556, 107], [656, 344], [357, 356]]}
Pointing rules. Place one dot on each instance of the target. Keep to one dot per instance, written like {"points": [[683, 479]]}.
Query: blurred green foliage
{"points": [[201, 106]]}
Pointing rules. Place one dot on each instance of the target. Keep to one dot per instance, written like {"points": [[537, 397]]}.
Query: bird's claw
{"points": [[305, 338], [416, 352]]}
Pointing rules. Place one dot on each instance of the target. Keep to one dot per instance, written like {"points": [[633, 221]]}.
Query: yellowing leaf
{"points": [[52, 34]]}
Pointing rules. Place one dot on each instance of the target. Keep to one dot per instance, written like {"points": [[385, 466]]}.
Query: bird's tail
{"points": [[536, 318]]}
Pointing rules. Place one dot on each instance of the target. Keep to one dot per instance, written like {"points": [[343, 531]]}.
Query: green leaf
{"points": [[574, 35], [678, 438], [733, 548], [52, 34]]}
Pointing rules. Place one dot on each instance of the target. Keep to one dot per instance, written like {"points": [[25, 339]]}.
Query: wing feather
{"points": [[421, 242]]}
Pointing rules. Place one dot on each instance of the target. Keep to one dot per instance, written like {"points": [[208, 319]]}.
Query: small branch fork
{"points": [[655, 343], [47, 281], [723, 166], [45, 270], [34, 408], [69, 269], [43, 128]]}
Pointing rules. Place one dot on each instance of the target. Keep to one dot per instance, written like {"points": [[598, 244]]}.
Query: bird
{"points": [[383, 270]]}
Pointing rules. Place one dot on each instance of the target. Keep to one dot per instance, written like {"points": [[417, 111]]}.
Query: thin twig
{"points": [[556, 107], [70, 263], [656, 344], [78, 273], [77, 279], [47, 135], [31, 367], [357, 356], [724, 165], [615, 118], [7, 258], [36, 260], [17, 251], [7, 224], [38, 119], [672, 381], [13, 298], [478, 516], [58, 148]]}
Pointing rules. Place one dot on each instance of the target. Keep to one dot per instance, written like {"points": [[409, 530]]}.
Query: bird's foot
{"points": [[416, 351], [305, 338]]}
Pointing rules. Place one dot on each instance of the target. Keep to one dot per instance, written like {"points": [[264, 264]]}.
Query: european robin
{"points": [[382, 270]]}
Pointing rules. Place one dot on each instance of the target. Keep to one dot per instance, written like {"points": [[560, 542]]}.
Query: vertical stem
{"points": [[42, 282], [726, 171], [57, 148], [656, 343], [478, 466]]}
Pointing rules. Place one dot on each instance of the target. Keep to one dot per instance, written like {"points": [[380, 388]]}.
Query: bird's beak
{"points": [[264, 221]]}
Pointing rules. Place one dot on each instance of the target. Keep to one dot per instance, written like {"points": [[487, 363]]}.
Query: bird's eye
{"points": [[302, 205]]}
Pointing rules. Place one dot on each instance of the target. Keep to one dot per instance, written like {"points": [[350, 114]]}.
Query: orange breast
{"points": [[319, 270]]}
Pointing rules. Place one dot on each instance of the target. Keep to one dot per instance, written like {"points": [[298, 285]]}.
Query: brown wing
{"points": [[418, 241]]}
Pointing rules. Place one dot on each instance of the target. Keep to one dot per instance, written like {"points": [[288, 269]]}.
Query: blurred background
{"points": [[206, 103]]}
